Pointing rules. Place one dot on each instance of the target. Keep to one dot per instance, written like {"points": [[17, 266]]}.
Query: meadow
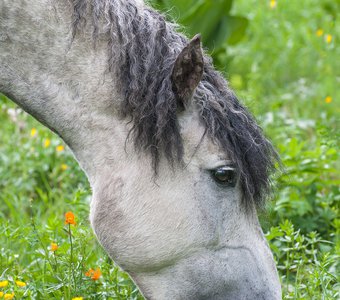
{"points": [[283, 62]]}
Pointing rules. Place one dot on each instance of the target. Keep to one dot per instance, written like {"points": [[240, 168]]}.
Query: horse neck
{"points": [[63, 84]]}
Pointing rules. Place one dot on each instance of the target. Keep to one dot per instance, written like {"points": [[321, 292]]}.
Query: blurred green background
{"points": [[282, 59]]}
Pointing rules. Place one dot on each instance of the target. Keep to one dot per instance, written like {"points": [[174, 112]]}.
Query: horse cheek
{"points": [[106, 217]]}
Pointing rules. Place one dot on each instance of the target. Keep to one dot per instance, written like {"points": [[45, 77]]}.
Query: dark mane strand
{"points": [[143, 48], [235, 130]]}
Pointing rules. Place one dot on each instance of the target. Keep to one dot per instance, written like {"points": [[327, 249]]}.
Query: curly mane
{"points": [[143, 48]]}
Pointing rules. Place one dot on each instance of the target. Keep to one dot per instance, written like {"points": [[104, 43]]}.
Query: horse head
{"points": [[178, 167]]}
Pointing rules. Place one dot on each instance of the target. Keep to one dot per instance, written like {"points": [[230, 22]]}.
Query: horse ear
{"points": [[188, 71]]}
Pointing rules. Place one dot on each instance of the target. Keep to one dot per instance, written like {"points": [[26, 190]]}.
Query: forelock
{"points": [[142, 49]]}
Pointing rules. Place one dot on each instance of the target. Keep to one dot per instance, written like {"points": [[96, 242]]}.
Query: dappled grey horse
{"points": [[176, 164]]}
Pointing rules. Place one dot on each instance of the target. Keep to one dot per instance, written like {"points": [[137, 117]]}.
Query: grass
{"points": [[286, 69]]}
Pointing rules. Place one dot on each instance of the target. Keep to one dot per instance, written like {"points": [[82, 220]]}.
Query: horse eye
{"points": [[226, 176]]}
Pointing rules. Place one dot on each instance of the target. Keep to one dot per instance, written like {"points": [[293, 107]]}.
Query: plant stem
{"points": [[71, 257]]}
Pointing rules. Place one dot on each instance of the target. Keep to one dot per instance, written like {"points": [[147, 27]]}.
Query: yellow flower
{"points": [[54, 247], [328, 38], [77, 298], [1, 294], [9, 296], [20, 283], [47, 143], [64, 167], [33, 132], [328, 99], [319, 32], [272, 4], [60, 148], [3, 283]]}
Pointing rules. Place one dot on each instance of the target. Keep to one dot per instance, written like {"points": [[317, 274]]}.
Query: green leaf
{"points": [[205, 16], [238, 26], [210, 18], [230, 29]]}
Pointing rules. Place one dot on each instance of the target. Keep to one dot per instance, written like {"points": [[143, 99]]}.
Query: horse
{"points": [[177, 166]]}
